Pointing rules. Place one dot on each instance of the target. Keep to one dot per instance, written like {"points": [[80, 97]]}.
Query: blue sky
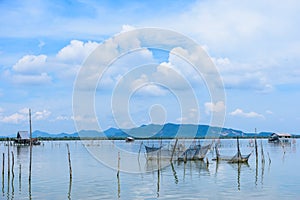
{"points": [[254, 45]]}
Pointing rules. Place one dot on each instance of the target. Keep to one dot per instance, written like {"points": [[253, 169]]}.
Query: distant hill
{"points": [[168, 130]]}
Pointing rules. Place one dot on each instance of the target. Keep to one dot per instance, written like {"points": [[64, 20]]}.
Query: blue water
{"points": [[95, 164]]}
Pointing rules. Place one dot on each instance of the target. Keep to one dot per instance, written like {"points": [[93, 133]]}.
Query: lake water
{"points": [[94, 165]]}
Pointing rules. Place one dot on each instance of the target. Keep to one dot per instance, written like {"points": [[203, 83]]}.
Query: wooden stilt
{"points": [[30, 156], [69, 159], [256, 150], [262, 153], [3, 163], [20, 176], [118, 176], [12, 163], [174, 149], [269, 158], [8, 159], [118, 173]]}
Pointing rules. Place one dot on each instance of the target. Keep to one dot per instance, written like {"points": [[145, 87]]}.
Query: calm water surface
{"points": [[94, 179]]}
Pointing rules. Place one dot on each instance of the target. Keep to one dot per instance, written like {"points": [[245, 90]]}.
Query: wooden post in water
{"points": [[69, 158], [158, 173], [256, 151], [262, 154], [20, 177], [118, 176], [140, 150], [8, 159], [13, 163], [30, 156], [3, 163], [174, 149], [118, 173]]}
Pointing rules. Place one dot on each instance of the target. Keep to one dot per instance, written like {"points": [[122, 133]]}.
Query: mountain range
{"points": [[168, 130]]}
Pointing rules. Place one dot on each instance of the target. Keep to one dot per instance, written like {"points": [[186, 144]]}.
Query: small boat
{"points": [[237, 158], [129, 139]]}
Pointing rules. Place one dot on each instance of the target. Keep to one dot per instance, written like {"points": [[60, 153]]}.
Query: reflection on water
{"points": [[259, 179]]}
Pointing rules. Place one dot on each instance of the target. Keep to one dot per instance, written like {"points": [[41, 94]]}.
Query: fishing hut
{"points": [[24, 139]]}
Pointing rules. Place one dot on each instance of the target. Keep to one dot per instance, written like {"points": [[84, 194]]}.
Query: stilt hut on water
{"points": [[24, 139]]}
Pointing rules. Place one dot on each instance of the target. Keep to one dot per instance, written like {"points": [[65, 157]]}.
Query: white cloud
{"points": [[244, 76], [192, 116], [43, 69], [14, 118], [24, 111], [41, 115], [23, 115], [240, 113], [167, 75], [269, 112], [152, 90], [77, 51], [62, 118], [41, 44], [143, 86], [20, 116], [30, 64], [214, 107], [37, 79], [127, 27]]}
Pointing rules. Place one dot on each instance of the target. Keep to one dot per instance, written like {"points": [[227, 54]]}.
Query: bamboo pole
{"points": [[207, 162], [158, 173], [174, 149], [70, 189], [3, 163], [69, 158], [256, 150], [140, 150], [269, 158], [30, 156], [262, 153], [20, 176], [13, 163], [118, 176], [118, 173], [8, 159]]}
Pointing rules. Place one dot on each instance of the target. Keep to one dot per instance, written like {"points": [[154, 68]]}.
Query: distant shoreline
{"points": [[121, 138]]}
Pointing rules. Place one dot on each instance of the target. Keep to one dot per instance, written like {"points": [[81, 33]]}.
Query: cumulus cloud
{"points": [[62, 118], [43, 69], [143, 86], [244, 76], [14, 118], [30, 64], [167, 75], [192, 115], [127, 27], [41, 115], [76, 51], [20, 116], [240, 113], [23, 115], [214, 107], [42, 78]]}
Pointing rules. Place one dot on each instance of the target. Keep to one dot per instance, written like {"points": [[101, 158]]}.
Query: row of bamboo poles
{"points": [[10, 156], [10, 167]]}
